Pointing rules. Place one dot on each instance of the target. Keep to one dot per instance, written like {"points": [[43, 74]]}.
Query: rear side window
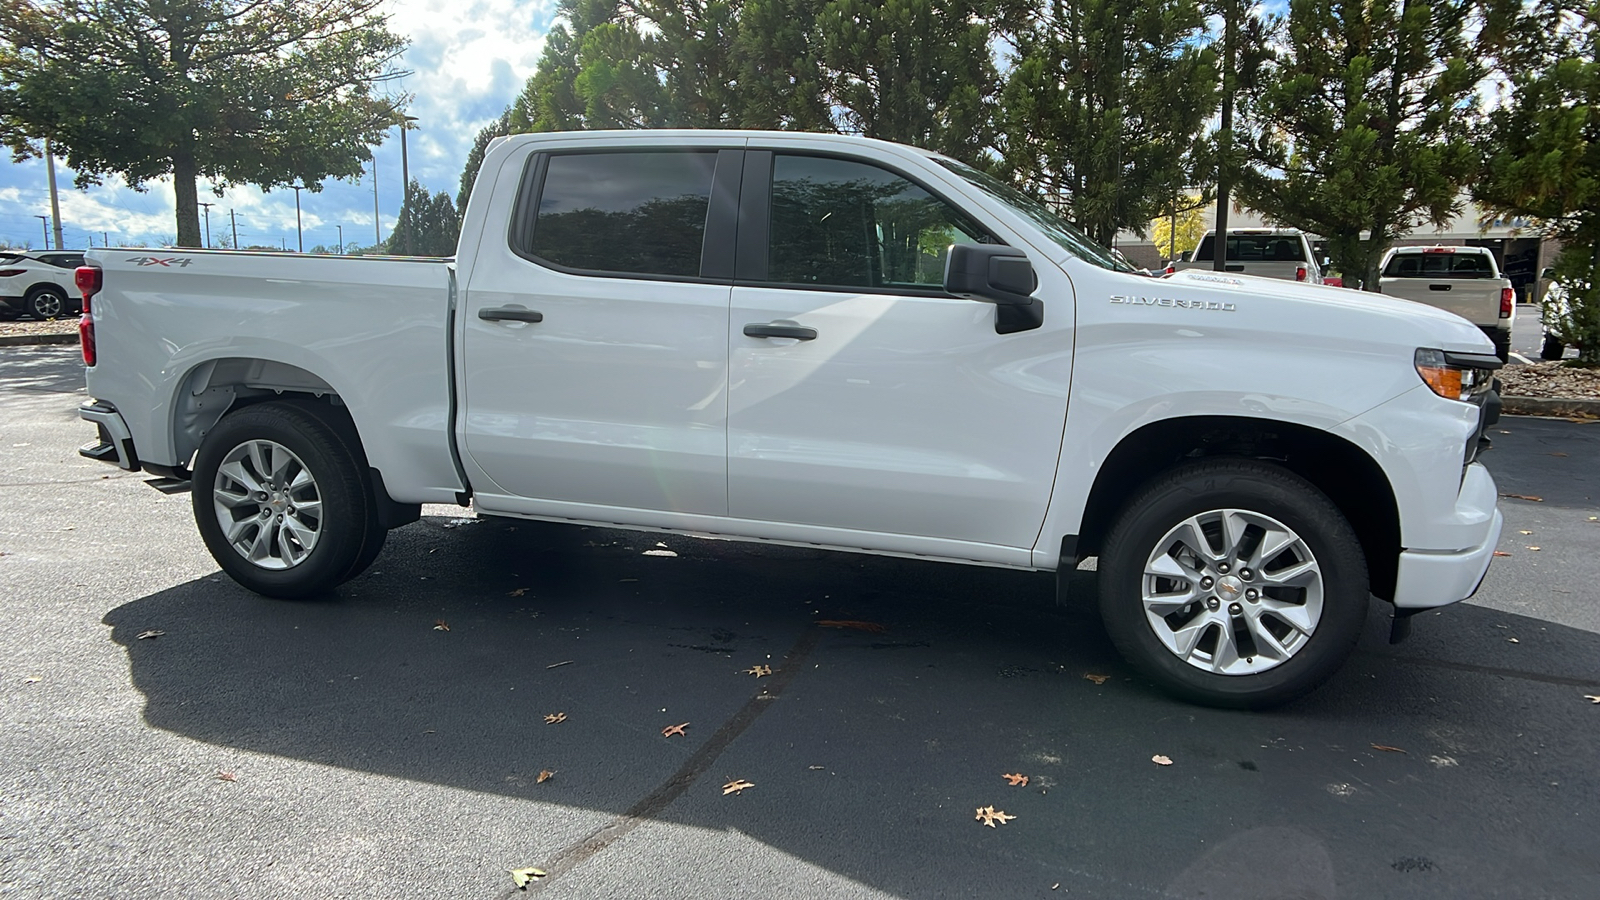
{"points": [[1438, 265], [63, 261], [628, 213], [1255, 248]]}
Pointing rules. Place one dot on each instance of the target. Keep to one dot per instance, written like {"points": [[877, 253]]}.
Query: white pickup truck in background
{"points": [[1282, 253], [1462, 280], [826, 341]]}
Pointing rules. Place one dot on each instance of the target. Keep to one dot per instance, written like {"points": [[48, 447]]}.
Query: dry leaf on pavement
{"points": [[758, 671], [1501, 553], [1512, 641], [441, 625], [671, 730], [1592, 698], [1017, 780], [544, 775], [1160, 760], [659, 553], [516, 593], [225, 775], [1533, 548], [1524, 532], [523, 876], [1097, 679], [1387, 749], [735, 786], [854, 624], [147, 635], [1524, 497], [988, 815], [553, 718]]}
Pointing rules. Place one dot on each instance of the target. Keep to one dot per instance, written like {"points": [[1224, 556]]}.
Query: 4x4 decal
{"points": [[180, 261]]}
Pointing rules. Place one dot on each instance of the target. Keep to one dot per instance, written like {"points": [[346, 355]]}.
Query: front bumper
{"points": [[1429, 578], [115, 444]]}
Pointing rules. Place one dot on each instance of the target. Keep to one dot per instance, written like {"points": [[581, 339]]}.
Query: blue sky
{"points": [[468, 62]]}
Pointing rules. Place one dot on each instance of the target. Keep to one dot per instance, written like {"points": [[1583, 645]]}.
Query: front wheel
{"points": [[1233, 583], [279, 501]]}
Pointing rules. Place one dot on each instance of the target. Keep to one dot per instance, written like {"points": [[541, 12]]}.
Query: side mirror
{"points": [[999, 275], [1184, 256]]}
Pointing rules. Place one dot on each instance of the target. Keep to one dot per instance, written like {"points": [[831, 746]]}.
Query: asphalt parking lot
{"points": [[354, 748]]}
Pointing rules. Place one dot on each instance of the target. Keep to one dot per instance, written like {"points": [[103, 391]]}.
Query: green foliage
{"points": [[1359, 123], [1104, 107], [1542, 150], [267, 92], [480, 145], [428, 226]]}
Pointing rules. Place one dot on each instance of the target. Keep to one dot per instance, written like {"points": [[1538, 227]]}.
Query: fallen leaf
{"points": [[147, 635], [758, 671], [1097, 679], [1594, 518], [1524, 532], [1558, 453], [734, 787], [816, 768], [671, 730], [1501, 553], [1532, 547], [1387, 749], [988, 815], [553, 718], [1017, 780], [855, 624], [544, 775], [564, 662], [225, 775], [440, 625], [1160, 760], [659, 553], [523, 876], [1524, 497], [516, 593], [1592, 698], [1512, 641]]}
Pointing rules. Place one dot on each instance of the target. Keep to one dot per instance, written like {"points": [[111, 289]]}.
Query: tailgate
{"points": [[1475, 299]]}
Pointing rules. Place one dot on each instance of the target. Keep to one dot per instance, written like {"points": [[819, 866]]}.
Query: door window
{"points": [[849, 224], [634, 213]]}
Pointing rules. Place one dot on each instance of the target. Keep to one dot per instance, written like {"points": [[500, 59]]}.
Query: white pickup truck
{"points": [[826, 341], [1283, 253], [1463, 280]]}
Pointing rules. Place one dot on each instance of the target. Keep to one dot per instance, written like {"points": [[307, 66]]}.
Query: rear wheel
{"points": [[1233, 583], [1502, 345], [280, 501], [1553, 348], [47, 303]]}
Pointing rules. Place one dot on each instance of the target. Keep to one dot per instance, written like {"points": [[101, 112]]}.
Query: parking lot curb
{"points": [[20, 340], [1550, 406]]}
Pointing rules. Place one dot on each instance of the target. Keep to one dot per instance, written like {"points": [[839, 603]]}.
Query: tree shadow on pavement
{"points": [[881, 743]]}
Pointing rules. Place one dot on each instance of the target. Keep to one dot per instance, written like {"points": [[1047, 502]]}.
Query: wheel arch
{"points": [[1341, 470]]}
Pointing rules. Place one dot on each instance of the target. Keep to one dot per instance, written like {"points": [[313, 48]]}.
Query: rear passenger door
{"points": [[595, 338]]}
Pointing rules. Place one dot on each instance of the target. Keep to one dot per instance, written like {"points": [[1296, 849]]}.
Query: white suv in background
{"points": [[39, 283]]}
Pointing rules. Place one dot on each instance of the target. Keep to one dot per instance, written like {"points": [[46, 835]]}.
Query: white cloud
{"points": [[468, 61]]}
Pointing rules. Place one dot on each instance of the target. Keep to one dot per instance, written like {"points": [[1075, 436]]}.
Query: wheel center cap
{"points": [[1230, 587]]}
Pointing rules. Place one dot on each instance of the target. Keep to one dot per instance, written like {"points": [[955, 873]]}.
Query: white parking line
{"points": [[1520, 358]]}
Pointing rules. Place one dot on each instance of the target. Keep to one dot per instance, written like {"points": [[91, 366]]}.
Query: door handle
{"points": [[1439, 287], [776, 329], [510, 314]]}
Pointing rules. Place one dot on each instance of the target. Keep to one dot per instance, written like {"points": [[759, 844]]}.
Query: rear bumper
{"points": [[1429, 578], [115, 444]]}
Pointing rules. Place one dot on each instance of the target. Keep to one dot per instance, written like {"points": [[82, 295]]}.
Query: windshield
{"points": [[1057, 229]]}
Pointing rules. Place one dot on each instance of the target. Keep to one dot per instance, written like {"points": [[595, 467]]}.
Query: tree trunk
{"points": [[184, 174]]}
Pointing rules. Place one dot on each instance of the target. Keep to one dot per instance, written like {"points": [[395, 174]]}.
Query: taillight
{"points": [[88, 280], [1170, 270], [1300, 273], [7, 273], [1507, 298]]}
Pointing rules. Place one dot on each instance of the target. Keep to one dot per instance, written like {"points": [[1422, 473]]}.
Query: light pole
{"points": [[55, 200], [208, 222], [377, 223], [405, 176], [341, 239], [235, 221], [300, 237], [45, 221]]}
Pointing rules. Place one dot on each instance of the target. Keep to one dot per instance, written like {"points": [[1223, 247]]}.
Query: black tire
{"points": [[48, 302], [376, 535], [1553, 348], [1258, 488], [1502, 345], [347, 513]]}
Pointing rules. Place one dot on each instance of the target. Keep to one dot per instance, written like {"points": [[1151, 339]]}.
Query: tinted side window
{"points": [[639, 213], [65, 262], [850, 224]]}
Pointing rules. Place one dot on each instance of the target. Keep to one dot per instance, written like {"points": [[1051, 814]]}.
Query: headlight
{"points": [[1456, 376]]}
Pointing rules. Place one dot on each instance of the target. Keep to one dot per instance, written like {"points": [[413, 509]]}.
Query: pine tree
{"points": [[1102, 111], [1358, 126], [432, 223]]}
